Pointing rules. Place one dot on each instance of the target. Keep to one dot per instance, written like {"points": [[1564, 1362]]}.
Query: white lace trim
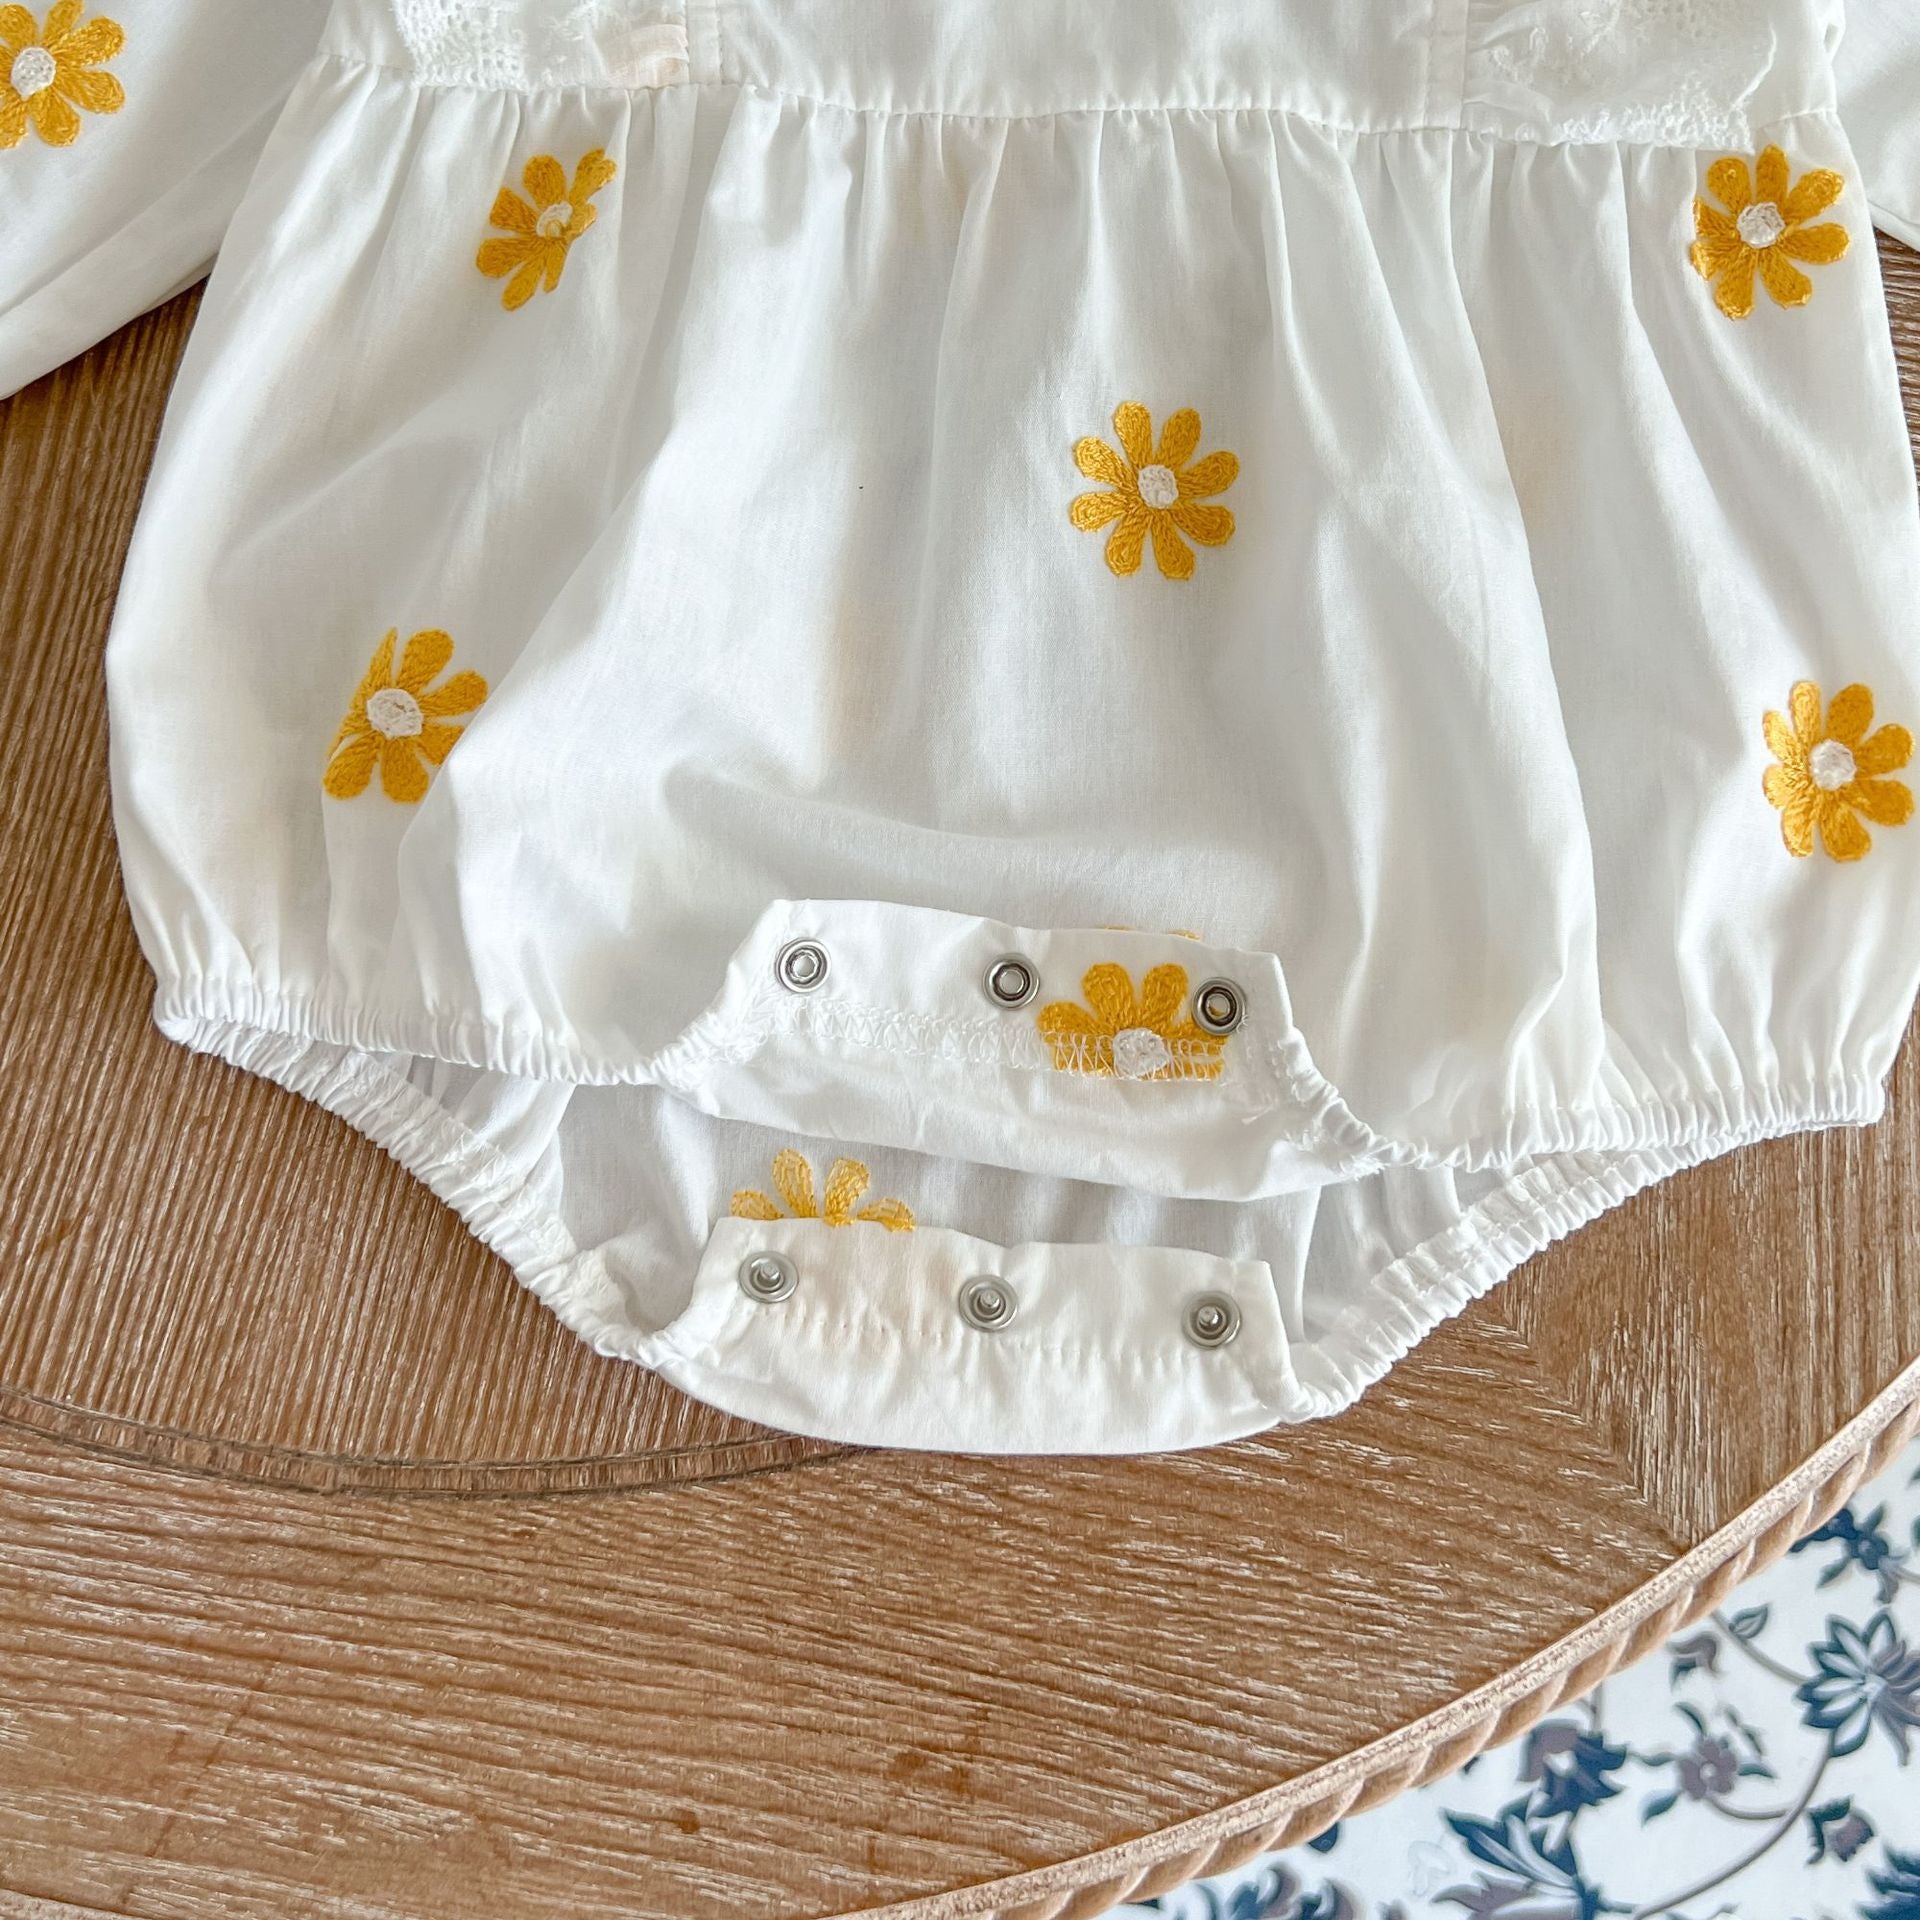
{"points": [[544, 43], [1662, 72]]}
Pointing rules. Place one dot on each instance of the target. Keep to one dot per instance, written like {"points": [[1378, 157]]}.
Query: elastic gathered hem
{"points": [[1734, 1112], [1390, 1310], [1417, 124]]}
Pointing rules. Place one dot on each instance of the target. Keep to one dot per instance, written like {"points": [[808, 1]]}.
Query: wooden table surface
{"points": [[336, 1579]]}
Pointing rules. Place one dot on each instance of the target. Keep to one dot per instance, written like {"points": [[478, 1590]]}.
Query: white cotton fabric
{"points": [[1878, 70], [757, 525], [95, 233]]}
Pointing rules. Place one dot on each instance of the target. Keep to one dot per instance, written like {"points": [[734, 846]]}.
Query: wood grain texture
{"points": [[336, 1579]]}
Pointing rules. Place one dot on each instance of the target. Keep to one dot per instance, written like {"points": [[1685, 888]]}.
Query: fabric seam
{"points": [[1269, 110]]}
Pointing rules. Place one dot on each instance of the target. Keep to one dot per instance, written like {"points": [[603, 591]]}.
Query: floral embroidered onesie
{"points": [[1025, 724]]}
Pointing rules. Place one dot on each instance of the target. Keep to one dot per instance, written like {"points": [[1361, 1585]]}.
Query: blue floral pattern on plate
{"points": [[1759, 1769]]}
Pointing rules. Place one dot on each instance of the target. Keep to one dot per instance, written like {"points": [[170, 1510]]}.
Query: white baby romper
{"points": [[1025, 726]]}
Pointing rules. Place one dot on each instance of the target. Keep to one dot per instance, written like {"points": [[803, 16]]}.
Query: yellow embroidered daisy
{"points": [[847, 1180], [540, 230], [1832, 772], [47, 72], [1150, 1036], [1154, 492], [1764, 231], [398, 721]]}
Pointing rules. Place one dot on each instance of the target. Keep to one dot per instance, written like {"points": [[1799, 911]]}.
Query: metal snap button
{"points": [[1219, 1007], [988, 1304], [802, 966], [1213, 1319], [1013, 981], [767, 1278]]}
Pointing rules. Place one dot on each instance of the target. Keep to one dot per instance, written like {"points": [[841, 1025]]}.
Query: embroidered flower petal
{"points": [[1108, 990], [1885, 752], [1719, 239], [523, 286], [1098, 461], [514, 214], [1796, 819], [1215, 474], [1174, 556], [847, 1180], [403, 774], [1134, 424], [545, 180], [1180, 439], [13, 118], [1711, 224], [1211, 526], [1127, 545], [1818, 246], [1092, 511], [1840, 830], [425, 659], [461, 694], [379, 674], [1785, 784], [54, 119], [748, 1204], [1162, 994], [17, 29], [593, 173], [62, 18], [1887, 803], [1850, 715], [1733, 291], [1715, 253], [1771, 176], [793, 1178], [100, 39], [1730, 182], [1067, 1020], [351, 767], [500, 255], [1804, 704], [1787, 284], [91, 92], [436, 740], [895, 1215], [1816, 192], [1785, 743], [556, 265]]}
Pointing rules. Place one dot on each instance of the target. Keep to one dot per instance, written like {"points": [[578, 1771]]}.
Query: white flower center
{"points": [[395, 714], [1761, 224], [1139, 1053], [554, 220], [33, 72], [1158, 486], [1832, 765]]}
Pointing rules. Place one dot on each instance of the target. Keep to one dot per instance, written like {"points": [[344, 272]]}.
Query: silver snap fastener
{"points": [[1219, 1007], [1212, 1320], [1013, 981], [767, 1278], [802, 966], [988, 1304]]}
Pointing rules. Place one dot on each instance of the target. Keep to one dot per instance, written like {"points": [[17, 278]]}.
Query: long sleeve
{"points": [[128, 131], [1879, 71]]}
